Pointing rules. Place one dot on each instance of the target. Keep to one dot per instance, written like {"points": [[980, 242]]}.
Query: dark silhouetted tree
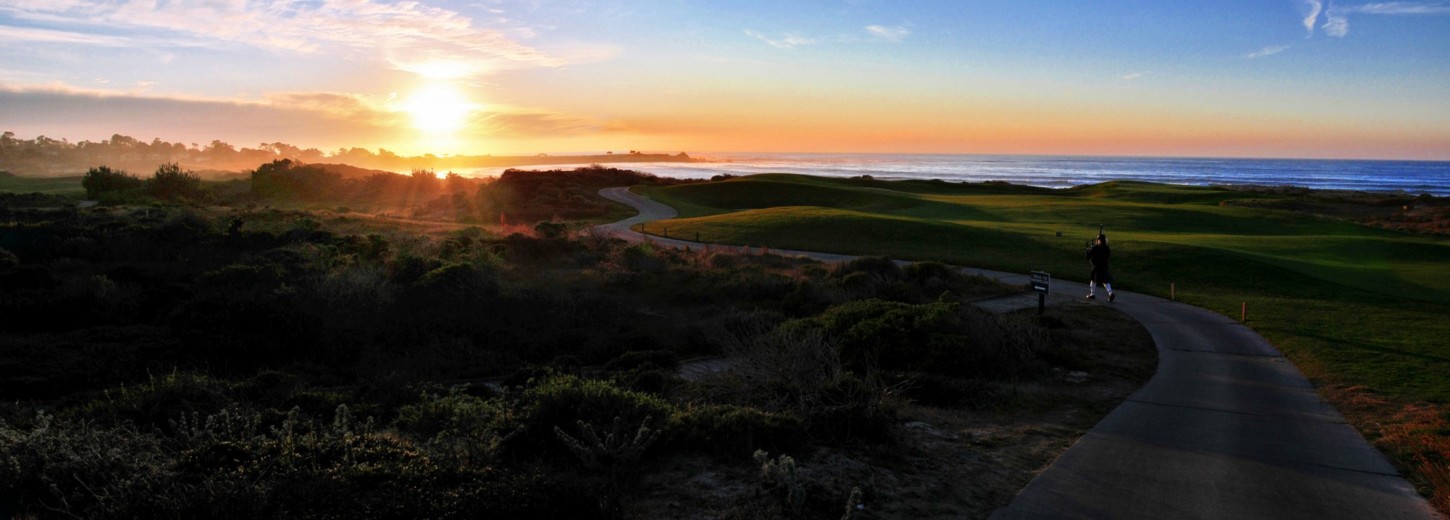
{"points": [[170, 182], [102, 180], [288, 178], [425, 182]]}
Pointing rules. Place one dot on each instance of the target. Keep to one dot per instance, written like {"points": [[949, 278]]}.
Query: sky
{"points": [[1211, 78]]}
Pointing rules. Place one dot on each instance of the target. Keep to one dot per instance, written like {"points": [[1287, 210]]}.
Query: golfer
{"points": [[1098, 256]]}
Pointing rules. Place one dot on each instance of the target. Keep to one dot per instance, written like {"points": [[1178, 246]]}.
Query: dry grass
{"points": [[1416, 436]]}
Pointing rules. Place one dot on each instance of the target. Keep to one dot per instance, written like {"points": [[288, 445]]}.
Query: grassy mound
{"points": [[1353, 287], [1350, 303]]}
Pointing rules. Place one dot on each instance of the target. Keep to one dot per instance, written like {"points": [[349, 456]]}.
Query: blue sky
{"points": [[1295, 78]]}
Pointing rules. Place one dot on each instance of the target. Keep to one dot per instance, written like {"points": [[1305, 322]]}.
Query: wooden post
{"points": [[1173, 291], [1244, 313], [667, 232], [697, 236]]}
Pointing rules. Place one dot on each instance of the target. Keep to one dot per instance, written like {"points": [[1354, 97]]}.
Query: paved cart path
{"points": [[1226, 428]]}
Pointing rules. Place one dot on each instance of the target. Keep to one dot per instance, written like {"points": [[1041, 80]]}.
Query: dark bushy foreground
{"points": [[167, 362]]}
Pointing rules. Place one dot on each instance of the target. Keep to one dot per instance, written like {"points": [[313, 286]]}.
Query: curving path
{"points": [[1226, 428]]}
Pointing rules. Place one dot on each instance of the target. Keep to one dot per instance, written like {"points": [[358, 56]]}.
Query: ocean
{"points": [[1413, 177]]}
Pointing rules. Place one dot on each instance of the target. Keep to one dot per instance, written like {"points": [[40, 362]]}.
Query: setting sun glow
{"points": [[438, 109]]}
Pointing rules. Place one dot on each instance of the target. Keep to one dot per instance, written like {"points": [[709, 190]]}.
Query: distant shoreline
{"points": [[490, 161], [1376, 176]]}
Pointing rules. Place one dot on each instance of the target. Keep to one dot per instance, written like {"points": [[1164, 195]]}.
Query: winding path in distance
{"points": [[1226, 428]]}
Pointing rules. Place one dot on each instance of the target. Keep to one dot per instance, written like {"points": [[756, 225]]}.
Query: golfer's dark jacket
{"points": [[1098, 256]]}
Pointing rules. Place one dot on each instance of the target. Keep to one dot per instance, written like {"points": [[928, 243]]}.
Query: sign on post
{"points": [[1040, 283]]}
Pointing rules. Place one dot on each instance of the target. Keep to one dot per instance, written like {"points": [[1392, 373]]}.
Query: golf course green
{"points": [[1350, 304]]}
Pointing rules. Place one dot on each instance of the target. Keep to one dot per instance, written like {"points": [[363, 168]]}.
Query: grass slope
{"points": [[1348, 303], [66, 186]]}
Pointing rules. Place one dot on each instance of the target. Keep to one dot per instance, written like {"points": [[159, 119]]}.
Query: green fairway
{"points": [[1348, 303], [66, 186]]}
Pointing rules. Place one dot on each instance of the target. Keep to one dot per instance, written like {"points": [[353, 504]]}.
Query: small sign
{"points": [[1040, 281]]}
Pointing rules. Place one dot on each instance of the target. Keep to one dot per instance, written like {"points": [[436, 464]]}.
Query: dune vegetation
{"points": [[191, 349], [1341, 283]]}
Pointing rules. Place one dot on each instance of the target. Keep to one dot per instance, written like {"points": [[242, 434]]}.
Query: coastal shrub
{"points": [[407, 268], [722, 260], [730, 431], [551, 230], [563, 400], [641, 259], [805, 299], [676, 256], [8, 260], [183, 226], [646, 359], [931, 279], [52, 365], [272, 388], [774, 261], [926, 271], [158, 401], [899, 290], [234, 464], [83, 248], [288, 178], [850, 407], [748, 283], [454, 411], [457, 284], [940, 337], [618, 451], [653, 381], [97, 300], [457, 428], [878, 267], [993, 347], [82, 470], [360, 290], [777, 368], [947, 391], [796, 369], [521, 248], [888, 335], [857, 281], [644, 371], [228, 306]]}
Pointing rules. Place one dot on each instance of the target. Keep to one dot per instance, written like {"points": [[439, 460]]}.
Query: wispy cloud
{"points": [[514, 122], [1336, 17], [789, 40], [1311, 9], [893, 34], [36, 35], [1267, 51], [346, 107], [403, 31], [1403, 8], [1134, 75], [1336, 23]]}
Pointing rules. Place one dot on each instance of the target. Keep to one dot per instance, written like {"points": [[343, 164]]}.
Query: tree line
{"points": [[46, 156], [49, 156], [517, 196]]}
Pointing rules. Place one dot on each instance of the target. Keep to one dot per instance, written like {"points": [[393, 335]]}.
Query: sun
{"points": [[438, 108]]}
